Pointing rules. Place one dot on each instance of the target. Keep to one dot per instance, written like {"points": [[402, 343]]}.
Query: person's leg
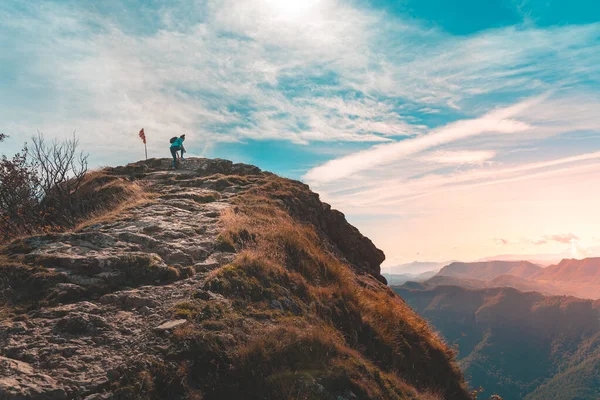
{"points": [[174, 154]]}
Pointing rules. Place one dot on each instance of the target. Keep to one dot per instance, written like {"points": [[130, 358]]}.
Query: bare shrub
{"points": [[61, 170], [48, 188]]}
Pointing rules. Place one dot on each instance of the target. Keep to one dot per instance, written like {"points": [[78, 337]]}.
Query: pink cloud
{"points": [[566, 238]]}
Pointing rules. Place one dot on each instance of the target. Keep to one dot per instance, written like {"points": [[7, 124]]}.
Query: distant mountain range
{"points": [[414, 268], [488, 270], [399, 279], [572, 270], [539, 259], [518, 345], [580, 278], [475, 284], [417, 271]]}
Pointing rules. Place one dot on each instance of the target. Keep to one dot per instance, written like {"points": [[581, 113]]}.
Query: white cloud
{"points": [[456, 68], [217, 78], [380, 196], [577, 248], [497, 121], [460, 157], [562, 238], [220, 70]]}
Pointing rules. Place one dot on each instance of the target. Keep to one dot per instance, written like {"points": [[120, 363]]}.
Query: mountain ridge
{"points": [[572, 277], [517, 344], [415, 267], [489, 270], [221, 281], [573, 270]]}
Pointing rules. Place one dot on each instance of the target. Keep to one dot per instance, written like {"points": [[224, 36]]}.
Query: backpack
{"points": [[173, 139]]}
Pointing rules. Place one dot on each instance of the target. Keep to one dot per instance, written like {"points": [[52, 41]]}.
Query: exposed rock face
{"points": [[66, 351], [114, 284], [350, 243]]}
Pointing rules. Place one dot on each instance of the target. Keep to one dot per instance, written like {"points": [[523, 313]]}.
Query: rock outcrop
{"points": [[151, 300]]}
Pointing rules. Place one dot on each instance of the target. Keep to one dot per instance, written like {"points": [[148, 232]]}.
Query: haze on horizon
{"points": [[443, 131]]}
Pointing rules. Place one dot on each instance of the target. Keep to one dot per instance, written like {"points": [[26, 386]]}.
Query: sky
{"points": [[444, 130]]}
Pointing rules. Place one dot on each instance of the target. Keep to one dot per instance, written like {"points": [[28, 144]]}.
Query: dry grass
{"points": [[113, 196], [101, 198], [297, 323], [253, 278], [283, 259], [299, 362]]}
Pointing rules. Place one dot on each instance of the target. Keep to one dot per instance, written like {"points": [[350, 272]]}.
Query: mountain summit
{"points": [[217, 281]]}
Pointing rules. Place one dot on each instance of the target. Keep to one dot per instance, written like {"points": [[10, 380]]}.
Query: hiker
{"points": [[176, 145]]}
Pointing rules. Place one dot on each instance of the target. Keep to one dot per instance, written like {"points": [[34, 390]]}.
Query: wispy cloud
{"points": [[382, 196], [497, 121], [560, 238], [264, 70], [575, 247], [412, 177], [243, 69], [501, 242], [460, 157]]}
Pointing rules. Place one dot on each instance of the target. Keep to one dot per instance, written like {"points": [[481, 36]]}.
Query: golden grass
{"points": [[187, 310], [298, 323], [296, 362], [282, 258], [101, 198], [114, 195]]}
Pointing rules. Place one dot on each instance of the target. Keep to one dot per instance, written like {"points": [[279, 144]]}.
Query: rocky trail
{"points": [[162, 250]]}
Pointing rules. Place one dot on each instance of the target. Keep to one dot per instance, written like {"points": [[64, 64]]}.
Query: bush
{"points": [[19, 195], [40, 188], [60, 173]]}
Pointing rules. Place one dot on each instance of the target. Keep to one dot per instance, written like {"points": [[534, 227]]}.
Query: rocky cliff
{"points": [[214, 281]]}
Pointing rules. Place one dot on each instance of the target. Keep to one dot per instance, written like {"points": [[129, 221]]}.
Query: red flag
{"points": [[143, 136]]}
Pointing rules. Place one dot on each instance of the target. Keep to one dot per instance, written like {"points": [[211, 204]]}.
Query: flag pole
{"points": [[142, 136]]}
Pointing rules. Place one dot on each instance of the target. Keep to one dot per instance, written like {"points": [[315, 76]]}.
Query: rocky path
{"points": [[126, 273]]}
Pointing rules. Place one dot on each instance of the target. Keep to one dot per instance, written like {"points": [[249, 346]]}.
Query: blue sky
{"points": [[443, 129]]}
